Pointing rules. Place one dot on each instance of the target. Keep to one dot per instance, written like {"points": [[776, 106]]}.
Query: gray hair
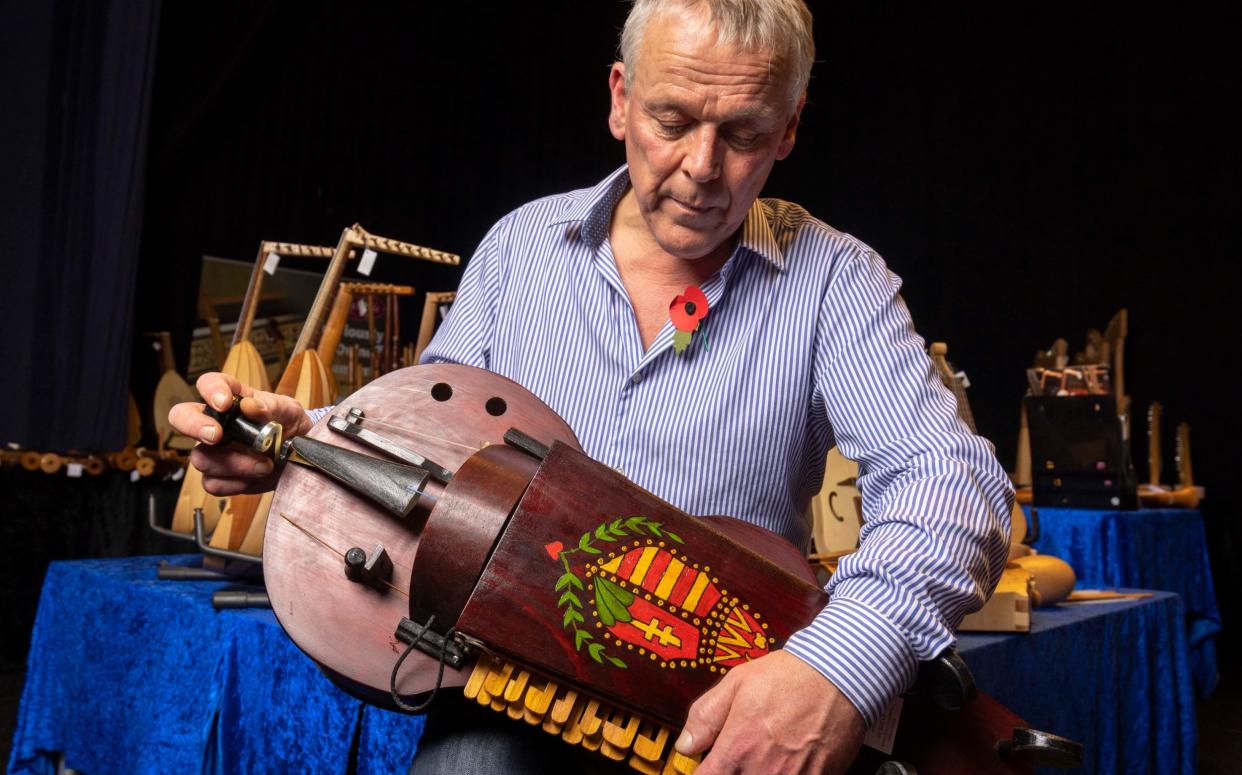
{"points": [[779, 26]]}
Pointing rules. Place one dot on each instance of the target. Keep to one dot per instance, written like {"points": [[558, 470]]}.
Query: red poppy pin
{"points": [[687, 313]]}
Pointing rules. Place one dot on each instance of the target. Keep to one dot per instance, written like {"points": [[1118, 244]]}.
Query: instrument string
{"points": [[337, 552]]}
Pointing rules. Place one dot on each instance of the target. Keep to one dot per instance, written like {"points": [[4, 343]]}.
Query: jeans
{"points": [[463, 738]]}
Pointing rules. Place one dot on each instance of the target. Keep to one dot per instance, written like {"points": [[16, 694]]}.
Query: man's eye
{"points": [[672, 128], [743, 140]]}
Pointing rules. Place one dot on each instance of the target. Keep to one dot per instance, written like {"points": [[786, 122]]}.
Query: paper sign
{"points": [[270, 263], [367, 262], [134, 475], [73, 470], [180, 472], [884, 732]]}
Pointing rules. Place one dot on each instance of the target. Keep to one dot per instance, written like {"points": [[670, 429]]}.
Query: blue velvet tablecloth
{"points": [[1113, 676], [1146, 549], [130, 674]]}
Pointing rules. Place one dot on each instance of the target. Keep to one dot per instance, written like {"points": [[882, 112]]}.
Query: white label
{"points": [[962, 378], [134, 475], [180, 472], [73, 470], [884, 732], [270, 263], [367, 262]]}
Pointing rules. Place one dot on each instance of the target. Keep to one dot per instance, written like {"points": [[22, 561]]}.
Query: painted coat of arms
{"points": [[648, 599]]}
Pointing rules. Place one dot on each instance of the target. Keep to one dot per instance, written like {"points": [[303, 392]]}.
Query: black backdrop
{"points": [[1026, 175]]}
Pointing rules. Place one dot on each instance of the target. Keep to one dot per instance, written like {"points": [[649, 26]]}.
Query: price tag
{"points": [[134, 475], [270, 263], [881, 736], [180, 472], [367, 262], [73, 470]]}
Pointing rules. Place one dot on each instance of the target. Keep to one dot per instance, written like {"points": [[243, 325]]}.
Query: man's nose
{"points": [[702, 162]]}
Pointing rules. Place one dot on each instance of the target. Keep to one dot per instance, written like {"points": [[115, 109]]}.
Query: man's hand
{"points": [[776, 714], [228, 469]]}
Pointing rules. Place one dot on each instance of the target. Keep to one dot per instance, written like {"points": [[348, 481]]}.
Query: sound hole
{"points": [[496, 406], [441, 391]]}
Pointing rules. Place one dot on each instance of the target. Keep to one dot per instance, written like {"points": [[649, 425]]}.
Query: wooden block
{"points": [[572, 731], [475, 682], [683, 765], [498, 679], [621, 729], [644, 766], [538, 701], [648, 745]]}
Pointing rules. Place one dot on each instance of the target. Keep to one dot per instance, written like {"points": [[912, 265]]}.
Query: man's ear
{"points": [[791, 131], [620, 98]]}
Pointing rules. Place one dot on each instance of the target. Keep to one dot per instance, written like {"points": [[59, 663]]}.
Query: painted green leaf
{"points": [[568, 580], [654, 527], [570, 616], [602, 534], [616, 527], [615, 599], [615, 662], [571, 597], [580, 636], [584, 544], [681, 340], [595, 649], [602, 608], [635, 523], [674, 536]]}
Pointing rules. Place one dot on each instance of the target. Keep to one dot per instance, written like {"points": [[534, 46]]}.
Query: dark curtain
{"points": [[76, 91]]}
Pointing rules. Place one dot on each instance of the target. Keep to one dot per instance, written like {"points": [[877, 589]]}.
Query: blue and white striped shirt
{"points": [[806, 345]]}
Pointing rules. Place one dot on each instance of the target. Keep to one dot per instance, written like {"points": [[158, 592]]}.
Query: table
{"points": [[1113, 676], [130, 674], [1146, 549]]}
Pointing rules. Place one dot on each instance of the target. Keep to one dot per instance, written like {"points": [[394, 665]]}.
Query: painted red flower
{"points": [[688, 309], [554, 549]]}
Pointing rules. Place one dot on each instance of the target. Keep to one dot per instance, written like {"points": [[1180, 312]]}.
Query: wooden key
{"points": [[620, 730], [513, 695], [475, 682], [572, 731], [648, 746], [683, 765], [498, 678], [538, 701], [646, 767]]}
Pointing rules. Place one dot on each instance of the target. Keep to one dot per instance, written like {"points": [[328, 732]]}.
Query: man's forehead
{"points": [[681, 48]]}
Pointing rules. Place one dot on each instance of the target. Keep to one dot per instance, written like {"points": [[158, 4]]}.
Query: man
{"points": [[805, 343]]}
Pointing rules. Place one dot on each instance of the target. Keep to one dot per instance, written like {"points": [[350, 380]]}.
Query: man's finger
{"points": [[218, 389], [188, 420], [707, 716]]}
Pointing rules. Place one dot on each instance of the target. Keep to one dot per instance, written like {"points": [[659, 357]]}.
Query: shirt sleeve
{"points": [[466, 335], [936, 502]]}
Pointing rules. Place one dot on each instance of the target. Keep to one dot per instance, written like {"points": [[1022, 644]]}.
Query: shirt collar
{"points": [[591, 213]]}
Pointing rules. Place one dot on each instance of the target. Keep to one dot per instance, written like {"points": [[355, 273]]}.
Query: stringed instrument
{"points": [[169, 391], [307, 378], [447, 509]]}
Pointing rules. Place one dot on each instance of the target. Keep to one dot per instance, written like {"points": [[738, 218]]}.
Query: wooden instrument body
{"points": [[695, 602], [348, 628], [528, 524]]}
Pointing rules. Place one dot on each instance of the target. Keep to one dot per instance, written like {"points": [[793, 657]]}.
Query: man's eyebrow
{"points": [[756, 112]]}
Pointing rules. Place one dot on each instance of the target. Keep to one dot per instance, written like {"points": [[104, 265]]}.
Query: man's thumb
{"points": [[707, 716]]}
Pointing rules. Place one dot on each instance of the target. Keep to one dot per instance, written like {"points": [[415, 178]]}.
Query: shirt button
{"points": [[637, 378]]}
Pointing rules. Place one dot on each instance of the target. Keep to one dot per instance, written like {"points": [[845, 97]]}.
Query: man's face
{"points": [[702, 124]]}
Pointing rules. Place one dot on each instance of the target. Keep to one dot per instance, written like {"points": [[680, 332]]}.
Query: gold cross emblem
{"points": [[652, 630]]}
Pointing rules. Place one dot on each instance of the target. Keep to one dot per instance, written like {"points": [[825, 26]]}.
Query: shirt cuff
{"points": [[860, 651], [316, 415]]}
